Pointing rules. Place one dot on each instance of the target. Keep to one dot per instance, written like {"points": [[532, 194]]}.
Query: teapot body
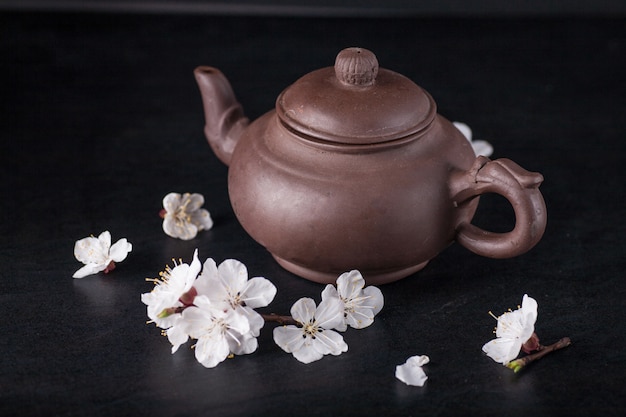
{"points": [[354, 169], [322, 208]]}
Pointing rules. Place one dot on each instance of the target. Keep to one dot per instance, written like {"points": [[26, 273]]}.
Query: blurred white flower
{"points": [[183, 216], [98, 255], [411, 372], [513, 330], [359, 305], [314, 338], [481, 147]]}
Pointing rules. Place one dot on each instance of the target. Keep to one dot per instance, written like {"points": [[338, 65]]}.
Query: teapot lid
{"points": [[355, 102]]}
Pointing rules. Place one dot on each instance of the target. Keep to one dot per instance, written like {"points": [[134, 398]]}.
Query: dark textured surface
{"points": [[327, 8], [100, 118]]}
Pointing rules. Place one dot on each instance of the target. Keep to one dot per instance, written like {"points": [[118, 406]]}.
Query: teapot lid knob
{"points": [[356, 67]]}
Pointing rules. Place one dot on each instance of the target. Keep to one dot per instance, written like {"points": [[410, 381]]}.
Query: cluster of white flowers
{"points": [[212, 304], [349, 304], [216, 305]]}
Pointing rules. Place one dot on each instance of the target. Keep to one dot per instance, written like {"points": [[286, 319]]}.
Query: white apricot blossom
{"points": [[99, 255], [514, 328], [183, 216], [360, 305], [314, 337]]}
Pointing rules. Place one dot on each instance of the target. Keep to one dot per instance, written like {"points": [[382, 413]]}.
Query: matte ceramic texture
{"points": [[354, 169]]}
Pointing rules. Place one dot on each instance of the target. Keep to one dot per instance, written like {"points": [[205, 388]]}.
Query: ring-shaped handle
{"points": [[520, 188]]}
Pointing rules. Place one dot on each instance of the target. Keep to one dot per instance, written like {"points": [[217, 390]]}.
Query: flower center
{"points": [[311, 329], [235, 300], [181, 215]]}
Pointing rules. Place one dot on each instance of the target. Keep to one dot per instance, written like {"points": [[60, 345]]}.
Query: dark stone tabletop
{"points": [[100, 118]]}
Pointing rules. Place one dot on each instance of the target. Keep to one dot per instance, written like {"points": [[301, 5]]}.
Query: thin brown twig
{"points": [[282, 320], [520, 363]]}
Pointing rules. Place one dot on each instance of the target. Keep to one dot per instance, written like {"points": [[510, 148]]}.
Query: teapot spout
{"points": [[224, 118]]}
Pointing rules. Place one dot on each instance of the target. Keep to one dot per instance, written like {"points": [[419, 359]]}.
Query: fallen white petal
{"points": [[411, 372]]}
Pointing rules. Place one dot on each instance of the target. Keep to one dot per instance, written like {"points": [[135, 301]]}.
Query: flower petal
{"points": [[411, 372], [89, 250], [211, 350], [330, 313], [303, 310], [307, 355], [245, 345], [171, 202], [182, 277], [120, 249], [179, 229], [529, 313], [236, 320], [510, 324], [361, 313], [177, 336], [375, 298], [193, 201], [233, 274], [198, 319], [201, 219], [329, 342], [360, 317], [255, 320], [194, 267], [350, 284], [207, 281], [258, 292], [289, 338], [89, 269], [518, 323], [503, 350], [105, 240], [329, 292], [529, 307]]}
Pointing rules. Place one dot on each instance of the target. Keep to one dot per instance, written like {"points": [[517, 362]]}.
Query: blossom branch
{"points": [[520, 363], [282, 320]]}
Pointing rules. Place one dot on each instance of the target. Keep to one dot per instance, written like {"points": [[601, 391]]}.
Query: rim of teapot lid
{"points": [[355, 102]]}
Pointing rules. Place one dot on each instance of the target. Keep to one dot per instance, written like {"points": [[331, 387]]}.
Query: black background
{"points": [[100, 117]]}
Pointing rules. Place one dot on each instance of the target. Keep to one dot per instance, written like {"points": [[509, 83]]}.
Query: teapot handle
{"points": [[520, 188]]}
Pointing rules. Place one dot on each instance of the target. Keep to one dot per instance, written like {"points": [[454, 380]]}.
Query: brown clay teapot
{"points": [[354, 169]]}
